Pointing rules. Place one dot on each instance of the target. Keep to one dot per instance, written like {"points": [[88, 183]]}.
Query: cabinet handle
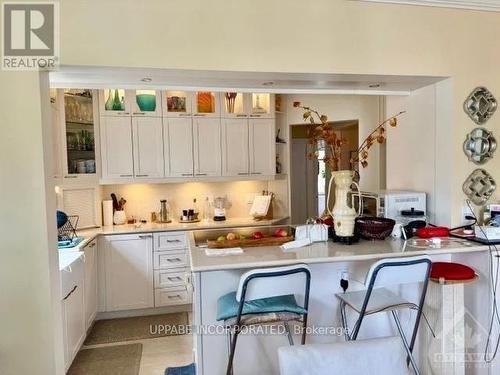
{"points": [[199, 114], [201, 174], [145, 236], [255, 115], [173, 241], [177, 278], [256, 172], [174, 260], [139, 113], [242, 174], [126, 175], [71, 176], [123, 113], [241, 115], [177, 296], [70, 293], [187, 174], [91, 245], [184, 114], [141, 175]]}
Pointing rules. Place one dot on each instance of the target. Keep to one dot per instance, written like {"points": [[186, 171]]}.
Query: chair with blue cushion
{"points": [[265, 296]]}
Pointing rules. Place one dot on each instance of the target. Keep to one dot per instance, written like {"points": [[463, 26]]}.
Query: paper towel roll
{"points": [[107, 212]]}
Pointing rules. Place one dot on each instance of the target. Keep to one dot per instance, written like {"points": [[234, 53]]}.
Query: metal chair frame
{"points": [[408, 345], [237, 328]]}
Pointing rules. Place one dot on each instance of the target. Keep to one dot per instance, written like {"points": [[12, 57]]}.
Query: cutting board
{"points": [[266, 241]]}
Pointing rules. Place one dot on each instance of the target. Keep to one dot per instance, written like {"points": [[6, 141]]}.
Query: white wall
{"points": [[346, 107]]}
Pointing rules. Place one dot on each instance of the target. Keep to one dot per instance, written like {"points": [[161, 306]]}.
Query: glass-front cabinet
{"points": [[177, 103], [114, 102], [206, 104], [262, 105], [79, 135], [234, 105], [146, 103]]}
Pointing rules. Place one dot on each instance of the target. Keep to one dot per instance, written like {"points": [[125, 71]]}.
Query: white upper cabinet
{"points": [[146, 103], [115, 102], [129, 272], [206, 104], [262, 147], [116, 147], [261, 105], [207, 146], [235, 158], [177, 103], [178, 147], [148, 147]]}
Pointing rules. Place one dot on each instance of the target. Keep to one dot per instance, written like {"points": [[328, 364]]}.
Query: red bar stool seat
{"points": [[445, 306]]}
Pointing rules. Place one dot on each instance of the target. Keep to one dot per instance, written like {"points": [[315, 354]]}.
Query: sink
{"points": [[201, 236]]}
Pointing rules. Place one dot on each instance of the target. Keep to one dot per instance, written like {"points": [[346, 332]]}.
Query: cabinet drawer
{"points": [[169, 297], [167, 260], [171, 278], [170, 241]]}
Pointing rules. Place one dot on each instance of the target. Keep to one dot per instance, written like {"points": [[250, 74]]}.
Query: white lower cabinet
{"points": [[171, 296], [73, 310], [90, 283], [129, 272]]}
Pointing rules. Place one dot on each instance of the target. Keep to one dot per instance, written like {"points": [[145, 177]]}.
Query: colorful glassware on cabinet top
{"points": [[109, 102], [230, 100], [205, 102], [176, 103], [146, 102]]}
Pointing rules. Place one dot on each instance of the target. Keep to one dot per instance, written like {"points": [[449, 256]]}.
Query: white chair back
{"points": [[271, 282], [394, 271], [368, 357]]}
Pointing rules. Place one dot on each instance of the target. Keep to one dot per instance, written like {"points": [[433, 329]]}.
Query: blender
{"points": [[219, 209]]}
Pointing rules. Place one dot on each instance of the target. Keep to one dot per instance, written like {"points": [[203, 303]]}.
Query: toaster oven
{"points": [[388, 203]]}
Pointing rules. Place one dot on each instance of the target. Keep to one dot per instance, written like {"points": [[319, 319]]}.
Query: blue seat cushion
{"points": [[227, 306]]}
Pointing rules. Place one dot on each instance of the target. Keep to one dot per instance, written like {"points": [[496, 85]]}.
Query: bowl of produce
{"points": [[374, 228], [146, 102]]}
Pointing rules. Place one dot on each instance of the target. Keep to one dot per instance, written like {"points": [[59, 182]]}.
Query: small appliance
{"points": [[219, 209], [389, 203]]}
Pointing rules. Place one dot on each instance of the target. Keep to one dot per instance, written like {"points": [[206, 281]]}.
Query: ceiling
{"points": [[286, 83]]}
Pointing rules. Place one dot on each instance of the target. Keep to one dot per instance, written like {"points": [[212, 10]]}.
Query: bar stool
{"points": [[368, 357], [376, 298], [265, 296], [445, 305]]}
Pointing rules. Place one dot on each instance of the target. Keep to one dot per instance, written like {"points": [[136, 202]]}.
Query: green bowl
{"points": [[146, 102]]}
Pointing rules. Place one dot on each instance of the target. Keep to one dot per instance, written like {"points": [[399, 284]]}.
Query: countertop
{"points": [[90, 234], [325, 252]]}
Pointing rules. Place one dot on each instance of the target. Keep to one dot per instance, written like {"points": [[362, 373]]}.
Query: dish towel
{"points": [[224, 252], [296, 244], [184, 370]]}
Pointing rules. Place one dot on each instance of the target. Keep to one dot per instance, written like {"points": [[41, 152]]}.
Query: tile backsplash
{"points": [[142, 199]]}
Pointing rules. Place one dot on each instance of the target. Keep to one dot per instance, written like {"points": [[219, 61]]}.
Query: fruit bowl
{"points": [[374, 228]]}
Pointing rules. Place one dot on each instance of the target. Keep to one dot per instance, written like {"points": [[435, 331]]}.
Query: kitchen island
{"points": [[214, 276]]}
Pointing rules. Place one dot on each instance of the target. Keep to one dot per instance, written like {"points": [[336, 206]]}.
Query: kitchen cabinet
{"points": [[235, 151], [56, 138], [76, 141], [90, 282], [147, 135], [129, 272], [262, 147], [116, 141], [207, 146], [115, 102], [73, 311], [179, 147], [177, 103], [206, 104], [146, 103], [247, 105]]}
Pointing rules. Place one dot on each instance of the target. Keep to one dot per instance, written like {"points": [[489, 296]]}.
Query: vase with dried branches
{"points": [[322, 134]]}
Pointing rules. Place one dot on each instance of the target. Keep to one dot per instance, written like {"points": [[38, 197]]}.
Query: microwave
{"points": [[388, 203]]}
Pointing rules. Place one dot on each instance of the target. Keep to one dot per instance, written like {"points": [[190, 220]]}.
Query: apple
{"points": [[221, 239], [257, 235], [281, 233], [231, 237]]}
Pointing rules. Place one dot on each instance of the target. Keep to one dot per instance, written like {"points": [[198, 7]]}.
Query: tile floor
{"points": [[160, 353]]}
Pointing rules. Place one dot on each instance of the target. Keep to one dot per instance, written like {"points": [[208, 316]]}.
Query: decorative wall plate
{"points": [[479, 187], [480, 105], [480, 146]]}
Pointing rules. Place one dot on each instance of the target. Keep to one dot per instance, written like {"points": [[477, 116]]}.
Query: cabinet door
{"points": [[146, 103], [90, 283], [262, 147], [235, 147], [75, 322], [148, 147], [114, 102], [234, 104], [207, 147], [261, 105], [116, 147], [180, 147], [129, 272]]}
